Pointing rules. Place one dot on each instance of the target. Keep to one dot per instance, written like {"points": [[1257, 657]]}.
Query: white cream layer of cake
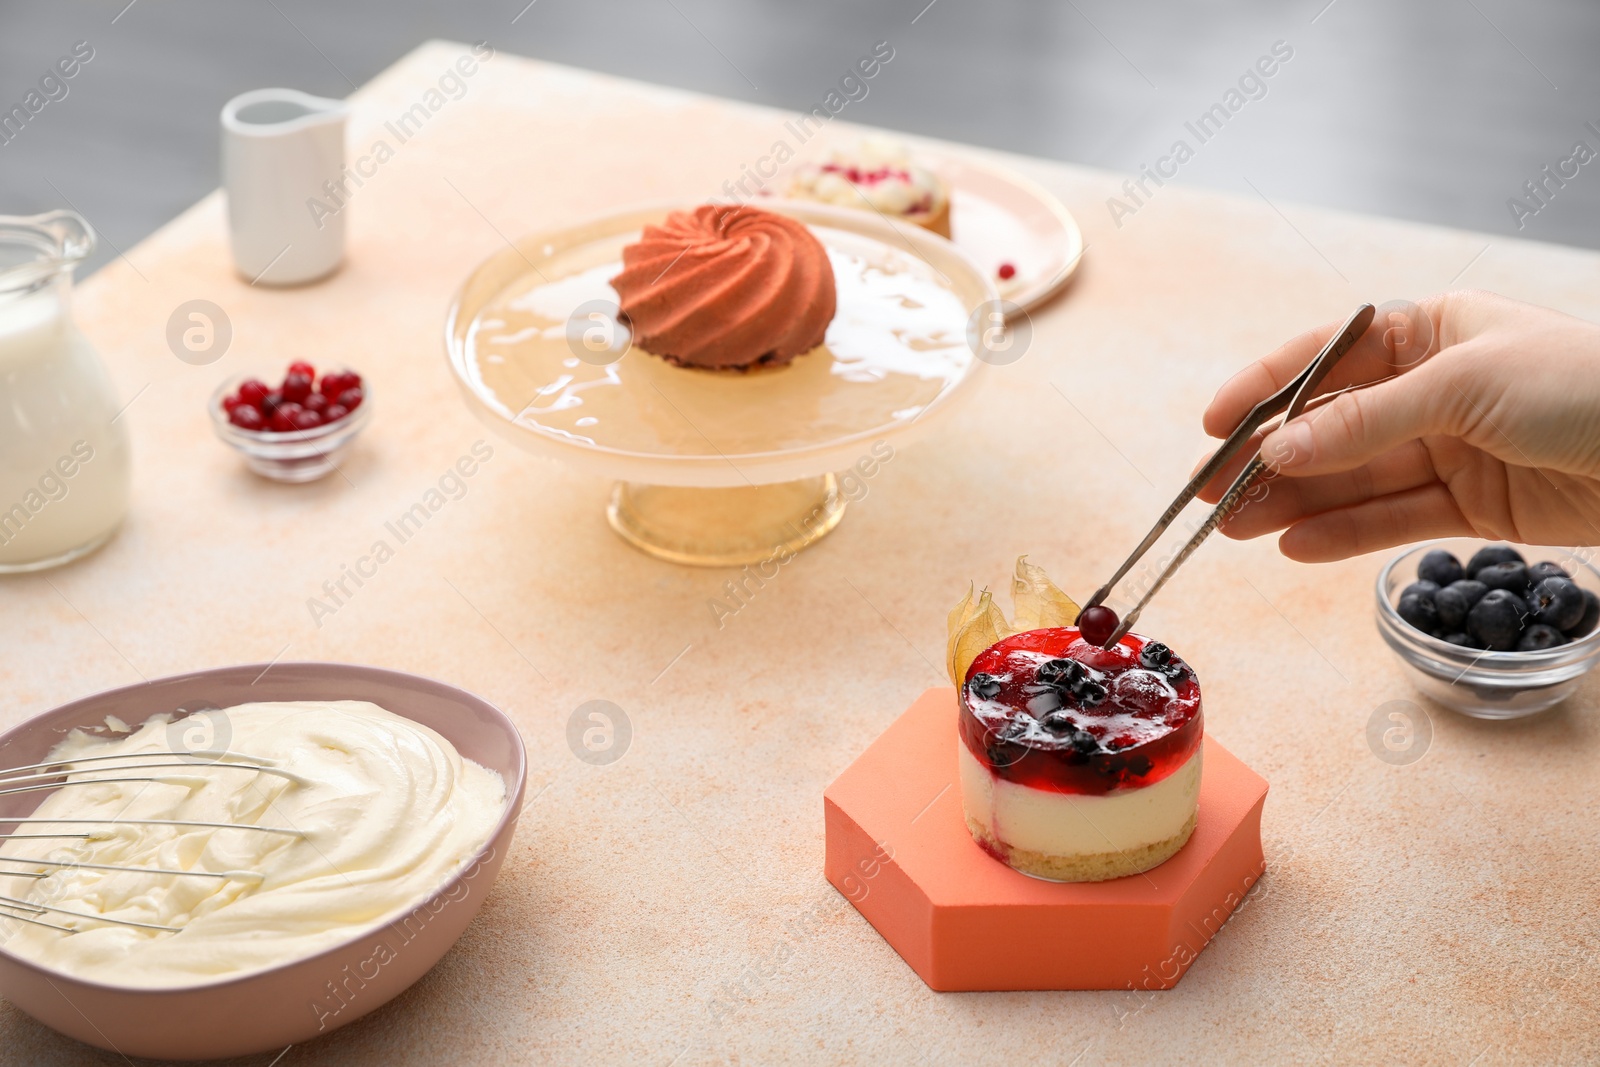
{"points": [[1076, 824]]}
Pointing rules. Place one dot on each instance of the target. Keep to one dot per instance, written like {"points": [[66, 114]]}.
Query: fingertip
{"points": [[1305, 545], [1226, 529], [1381, 522], [1288, 447], [1233, 401], [1211, 492], [1332, 535]]}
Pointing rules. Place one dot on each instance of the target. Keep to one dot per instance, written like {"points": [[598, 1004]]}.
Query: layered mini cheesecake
{"points": [[1080, 763]]}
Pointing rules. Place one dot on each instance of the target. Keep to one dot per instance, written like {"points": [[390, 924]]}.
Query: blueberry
{"points": [[1540, 571], [1472, 590], [1557, 603], [1084, 743], [1496, 620], [1005, 745], [1539, 637], [1510, 576], [1489, 555], [1591, 617], [983, 686], [1462, 639], [1452, 606], [1424, 588], [1059, 722], [1014, 729], [1088, 694], [1060, 672], [1155, 655], [1440, 567], [1419, 610], [1073, 681], [1158, 657]]}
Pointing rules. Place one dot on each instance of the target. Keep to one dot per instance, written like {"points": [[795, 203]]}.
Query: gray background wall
{"points": [[1435, 110]]}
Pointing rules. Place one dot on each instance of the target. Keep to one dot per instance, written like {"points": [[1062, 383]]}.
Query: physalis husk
{"points": [[973, 627], [1039, 602]]}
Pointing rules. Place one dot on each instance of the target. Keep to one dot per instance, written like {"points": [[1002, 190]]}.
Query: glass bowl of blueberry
{"points": [[296, 431], [1494, 637]]}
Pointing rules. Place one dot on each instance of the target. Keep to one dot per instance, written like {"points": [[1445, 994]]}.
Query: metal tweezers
{"points": [[1292, 400]]}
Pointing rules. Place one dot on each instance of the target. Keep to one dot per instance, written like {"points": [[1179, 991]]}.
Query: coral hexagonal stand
{"points": [[899, 850]]}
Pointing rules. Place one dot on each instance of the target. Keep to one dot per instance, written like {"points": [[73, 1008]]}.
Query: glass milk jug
{"points": [[64, 468]]}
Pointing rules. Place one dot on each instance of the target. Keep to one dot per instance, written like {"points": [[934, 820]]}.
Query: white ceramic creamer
{"points": [[282, 152]]}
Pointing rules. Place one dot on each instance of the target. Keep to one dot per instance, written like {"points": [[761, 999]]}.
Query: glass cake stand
{"points": [[722, 468]]}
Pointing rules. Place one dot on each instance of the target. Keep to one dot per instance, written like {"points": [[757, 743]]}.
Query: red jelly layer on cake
{"points": [[1050, 710]]}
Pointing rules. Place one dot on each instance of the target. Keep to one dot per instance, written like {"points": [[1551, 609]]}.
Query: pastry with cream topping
{"points": [[727, 287], [1077, 762], [879, 175]]}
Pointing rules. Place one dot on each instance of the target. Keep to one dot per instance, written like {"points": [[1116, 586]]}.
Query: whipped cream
{"points": [[386, 810]]}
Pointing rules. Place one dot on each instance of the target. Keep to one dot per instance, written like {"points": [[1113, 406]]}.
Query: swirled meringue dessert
{"points": [[727, 287], [317, 821]]}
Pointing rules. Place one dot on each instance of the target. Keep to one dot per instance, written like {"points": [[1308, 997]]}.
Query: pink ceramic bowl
{"points": [[297, 1001]]}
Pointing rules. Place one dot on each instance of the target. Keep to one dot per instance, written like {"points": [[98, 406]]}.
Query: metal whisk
{"points": [[58, 774]]}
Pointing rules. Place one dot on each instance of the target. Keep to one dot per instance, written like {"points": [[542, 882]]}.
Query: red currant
{"points": [[302, 367], [296, 387], [270, 403], [283, 418], [230, 402], [247, 418], [253, 391], [335, 412], [1006, 272], [351, 398], [1097, 624], [316, 402], [306, 419], [337, 382]]}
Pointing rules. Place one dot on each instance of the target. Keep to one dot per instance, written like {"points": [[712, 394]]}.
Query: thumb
{"points": [[1359, 426]]}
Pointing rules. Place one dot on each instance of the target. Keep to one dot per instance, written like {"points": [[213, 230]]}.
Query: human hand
{"points": [[1488, 425]]}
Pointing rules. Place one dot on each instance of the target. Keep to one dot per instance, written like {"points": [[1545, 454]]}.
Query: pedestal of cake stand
{"points": [[727, 527], [899, 850]]}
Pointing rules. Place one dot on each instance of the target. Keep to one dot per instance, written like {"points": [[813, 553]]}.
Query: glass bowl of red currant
{"points": [[1491, 630], [296, 430]]}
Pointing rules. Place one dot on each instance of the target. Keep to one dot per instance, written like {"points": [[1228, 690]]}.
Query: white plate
{"points": [[998, 216]]}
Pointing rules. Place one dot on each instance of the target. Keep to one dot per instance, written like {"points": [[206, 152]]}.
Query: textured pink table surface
{"points": [[671, 907]]}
